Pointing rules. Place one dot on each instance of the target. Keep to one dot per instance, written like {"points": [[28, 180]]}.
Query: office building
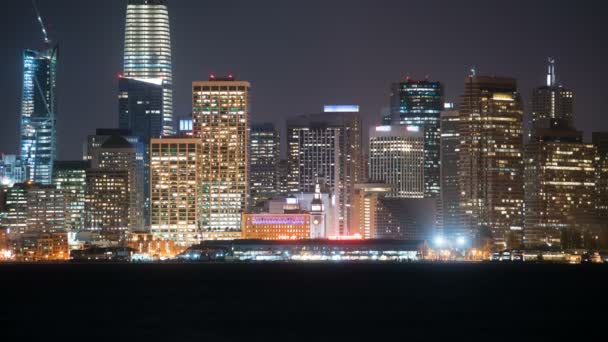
{"points": [[265, 156], [141, 112], [491, 159], [176, 190], [600, 141], [70, 178], [221, 115], [39, 114], [12, 170], [552, 101], [94, 142], [420, 104], [108, 204], [147, 54], [560, 184], [34, 209], [365, 208], [450, 153], [396, 158], [326, 149]]}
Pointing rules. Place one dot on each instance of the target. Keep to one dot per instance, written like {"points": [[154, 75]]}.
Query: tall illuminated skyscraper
{"points": [[221, 119], [491, 158], [70, 177], [420, 104], [450, 152], [38, 114], [147, 54]]}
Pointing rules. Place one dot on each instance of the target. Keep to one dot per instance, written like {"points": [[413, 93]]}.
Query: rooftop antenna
{"points": [[551, 77], [473, 72], [47, 40]]}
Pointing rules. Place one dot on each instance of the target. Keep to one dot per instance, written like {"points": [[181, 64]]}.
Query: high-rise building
{"points": [[221, 115], [396, 158], [326, 149], [552, 101], [265, 156], [108, 203], [38, 114], [491, 159], [12, 170], [70, 177], [117, 154], [420, 104], [365, 208], [450, 153], [560, 184], [600, 141], [141, 112], [147, 53], [34, 209], [176, 190], [101, 135]]}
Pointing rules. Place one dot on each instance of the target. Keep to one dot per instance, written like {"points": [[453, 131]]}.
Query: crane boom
{"points": [[39, 18]]}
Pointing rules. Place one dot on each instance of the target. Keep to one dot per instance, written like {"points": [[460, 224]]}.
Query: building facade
{"points": [[396, 158], [12, 170], [147, 51], [71, 178], [450, 153], [39, 114], [176, 190], [420, 104], [326, 149], [108, 204], [600, 141], [265, 157], [491, 159], [221, 120], [291, 226], [560, 185]]}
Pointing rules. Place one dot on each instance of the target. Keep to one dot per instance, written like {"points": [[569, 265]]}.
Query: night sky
{"points": [[300, 55]]}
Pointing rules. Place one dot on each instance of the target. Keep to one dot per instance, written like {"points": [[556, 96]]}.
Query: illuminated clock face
{"points": [[316, 221]]}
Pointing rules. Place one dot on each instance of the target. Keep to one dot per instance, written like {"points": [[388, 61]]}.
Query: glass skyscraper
{"points": [[420, 104], [147, 54], [38, 114]]}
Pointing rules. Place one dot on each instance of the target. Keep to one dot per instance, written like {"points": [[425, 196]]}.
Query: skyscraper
{"points": [[491, 164], [560, 184], [265, 156], [326, 149], [600, 141], [420, 104], [70, 177], [221, 115], [12, 170], [38, 114], [140, 112], [450, 153], [396, 158], [552, 101], [176, 192], [147, 53]]}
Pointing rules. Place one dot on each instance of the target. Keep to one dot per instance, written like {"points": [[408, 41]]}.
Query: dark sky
{"points": [[300, 55]]}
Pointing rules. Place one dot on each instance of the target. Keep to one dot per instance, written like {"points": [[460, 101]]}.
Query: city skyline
{"points": [[351, 75]]}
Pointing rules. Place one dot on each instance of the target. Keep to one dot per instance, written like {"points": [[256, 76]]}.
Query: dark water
{"points": [[315, 302]]}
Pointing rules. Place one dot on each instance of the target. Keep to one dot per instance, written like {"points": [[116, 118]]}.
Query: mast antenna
{"points": [[47, 40]]}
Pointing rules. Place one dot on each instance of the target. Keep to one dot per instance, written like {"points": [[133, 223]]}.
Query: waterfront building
{"points": [[560, 184], [450, 153], [326, 149], [176, 190], [491, 159], [108, 204], [221, 120]]}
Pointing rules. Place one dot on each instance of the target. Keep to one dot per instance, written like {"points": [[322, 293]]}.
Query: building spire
{"points": [[551, 77]]}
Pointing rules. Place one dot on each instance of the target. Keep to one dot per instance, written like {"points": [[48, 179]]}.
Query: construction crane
{"points": [[47, 41]]}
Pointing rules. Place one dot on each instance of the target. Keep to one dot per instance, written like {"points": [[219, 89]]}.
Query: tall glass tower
{"points": [[147, 54], [420, 104], [38, 114]]}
